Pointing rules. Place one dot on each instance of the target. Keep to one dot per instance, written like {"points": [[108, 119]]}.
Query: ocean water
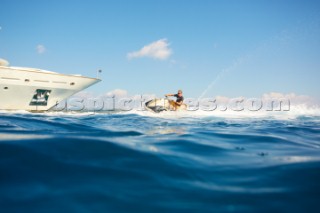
{"points": [[142, 162]]}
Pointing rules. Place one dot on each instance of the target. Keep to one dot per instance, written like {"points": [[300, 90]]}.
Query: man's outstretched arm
{"points": [[169, 95]]}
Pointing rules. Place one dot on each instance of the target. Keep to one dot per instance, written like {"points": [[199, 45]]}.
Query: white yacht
{"points": [[37, 90]]}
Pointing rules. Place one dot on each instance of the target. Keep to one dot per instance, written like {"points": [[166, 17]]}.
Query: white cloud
{"points": [[157, 50], [3, 62], [292, 97], [143, 96], [40, 49], [117, 93]]}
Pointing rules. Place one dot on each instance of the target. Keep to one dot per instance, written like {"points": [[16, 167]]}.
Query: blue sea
{"points": [[140, 162]]}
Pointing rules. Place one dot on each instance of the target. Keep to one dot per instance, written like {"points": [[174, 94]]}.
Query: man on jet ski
{"points": [[179, 101]]}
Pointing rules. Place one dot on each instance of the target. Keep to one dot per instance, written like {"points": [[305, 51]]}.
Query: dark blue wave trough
{"points": [[132, 163]]}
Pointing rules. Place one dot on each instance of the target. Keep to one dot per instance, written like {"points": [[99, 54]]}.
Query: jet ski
{"points": [[163, 104]]}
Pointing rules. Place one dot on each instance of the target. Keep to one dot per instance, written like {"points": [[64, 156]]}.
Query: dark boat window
{"points": [[40, 97], [72, 83], [5, 88]]}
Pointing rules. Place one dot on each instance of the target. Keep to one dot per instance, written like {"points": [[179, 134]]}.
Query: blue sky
{"points": [[247, 48]]}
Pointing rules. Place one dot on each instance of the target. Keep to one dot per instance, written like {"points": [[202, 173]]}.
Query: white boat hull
{"points": [[35, 90]]}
